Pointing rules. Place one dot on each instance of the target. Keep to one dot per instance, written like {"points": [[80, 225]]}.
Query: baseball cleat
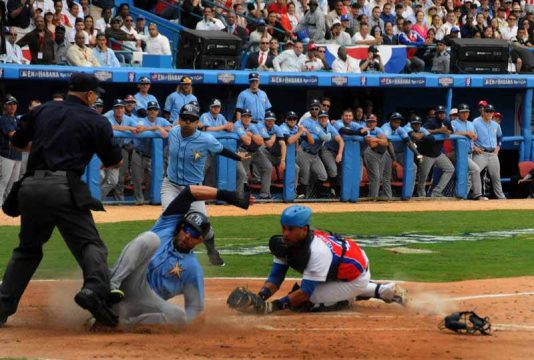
{"points": [[88, 300]]}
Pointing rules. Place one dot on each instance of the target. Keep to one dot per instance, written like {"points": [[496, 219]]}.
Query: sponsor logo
{"points": [[340, 80], [44, 74], [505, 82], [403, 82], [294, 80], [446, 81], [226, 78], [103, 75], [175, 77]]}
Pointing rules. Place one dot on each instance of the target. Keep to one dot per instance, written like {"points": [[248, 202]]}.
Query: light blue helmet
{"points": [[296, 215]]}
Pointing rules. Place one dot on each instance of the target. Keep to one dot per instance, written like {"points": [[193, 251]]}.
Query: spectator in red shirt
{"points": [[279, 7]]}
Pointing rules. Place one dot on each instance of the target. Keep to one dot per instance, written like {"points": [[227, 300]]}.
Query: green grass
{"points": [[449, 261]]}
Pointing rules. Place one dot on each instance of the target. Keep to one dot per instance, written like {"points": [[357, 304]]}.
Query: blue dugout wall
{"points": [[511, 94]]}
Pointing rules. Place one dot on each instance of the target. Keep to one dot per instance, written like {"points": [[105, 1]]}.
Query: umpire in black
{"points": [[64, 137]]}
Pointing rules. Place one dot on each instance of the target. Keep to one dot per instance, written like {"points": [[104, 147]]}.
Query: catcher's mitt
{"points": [[243, 300], [466, 322]]}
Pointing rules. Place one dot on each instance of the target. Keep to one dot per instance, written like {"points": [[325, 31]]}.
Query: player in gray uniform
{"points": [[377, 145], [252, 139], [188, 150], [331, 154]]}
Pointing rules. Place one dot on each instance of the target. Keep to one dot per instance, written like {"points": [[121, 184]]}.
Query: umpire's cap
{"points": [[83, 82], [269, 115], [396, 116], [416, 120], [440, 108], [291, 115], [296, 215], [463, 108], [190, 110], [198, 221]]}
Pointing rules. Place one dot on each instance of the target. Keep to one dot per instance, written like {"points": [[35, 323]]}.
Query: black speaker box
{"points": [[201, 49], [476, 67], [486, 50]]}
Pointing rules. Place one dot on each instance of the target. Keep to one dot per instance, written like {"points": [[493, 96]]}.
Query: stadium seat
{"points": [[525, 167], [365, 178], [397, 175]]}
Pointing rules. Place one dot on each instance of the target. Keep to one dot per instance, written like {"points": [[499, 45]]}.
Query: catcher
{"points": [[335, 271]]}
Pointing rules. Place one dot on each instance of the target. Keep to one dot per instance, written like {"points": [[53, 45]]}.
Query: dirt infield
{"points": [[135, 213], [49, 325]]}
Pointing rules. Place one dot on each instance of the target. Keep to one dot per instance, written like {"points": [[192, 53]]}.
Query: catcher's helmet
{"points": [[296, 215]]}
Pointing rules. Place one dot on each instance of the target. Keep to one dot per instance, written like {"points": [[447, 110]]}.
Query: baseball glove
{"points": [[243, 300], [466, 322]]}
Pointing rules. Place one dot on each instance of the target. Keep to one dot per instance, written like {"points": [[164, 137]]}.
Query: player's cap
{"points": [[11, 100], [269, 115], [130, 99], [463, 108], [152, 105], [199, 222], [482, 103], [323, 113], [194, 102], [455, 29], [83, 82], [489, 108], [396, 116], [454, 111], [99, 103], [345, 17], [215, 102], [296, 215], [371, 118], [497, 114], [440, 108], [315, 103], [246, 112], [190, 110], [291, 115], [253, 76], [144, 80], [118, 103], [335, 22], [416, 120], [186, 80]]}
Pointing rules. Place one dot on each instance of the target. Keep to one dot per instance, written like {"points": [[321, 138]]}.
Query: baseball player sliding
{"points": [[160, 264], [335, 271]]}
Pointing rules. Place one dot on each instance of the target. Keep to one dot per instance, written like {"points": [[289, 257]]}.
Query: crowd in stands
{"points": [[63, 32], [317, 135], [303, 27]]}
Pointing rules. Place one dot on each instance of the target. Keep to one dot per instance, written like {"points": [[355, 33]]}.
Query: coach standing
{"points": [[64, 136]]}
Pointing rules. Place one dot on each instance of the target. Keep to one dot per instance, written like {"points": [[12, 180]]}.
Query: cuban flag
{"points": [[393, 56]]}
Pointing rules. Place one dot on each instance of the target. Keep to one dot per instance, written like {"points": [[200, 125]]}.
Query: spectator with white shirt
{"points": [[311, 62], [209, 22], [73, 13], [509, 32], [338, 36], [105, 56], [105, 20], [13, 51], [450, 23], [44, 5], [79, 54], [363, 37], [290, 60], [128, 28], [344, 63], [156, 44], [78, 27]]}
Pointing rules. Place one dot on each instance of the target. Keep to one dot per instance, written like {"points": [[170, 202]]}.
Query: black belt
{"points": [[310, 152], [489, 150], [175, 183], [44, 173]]}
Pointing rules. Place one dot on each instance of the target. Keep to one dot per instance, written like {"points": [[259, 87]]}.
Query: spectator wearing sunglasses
{"points": [[261, 59], [13, 51]]}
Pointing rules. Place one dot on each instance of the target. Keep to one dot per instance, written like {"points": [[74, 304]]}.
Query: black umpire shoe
{"points": [[215, 258], [88, 300]]}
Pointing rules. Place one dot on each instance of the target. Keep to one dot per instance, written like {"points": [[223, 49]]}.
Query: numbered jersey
{"points": [[328, 257]]}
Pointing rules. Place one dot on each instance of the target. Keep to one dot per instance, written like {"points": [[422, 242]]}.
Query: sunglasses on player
{"points": [[191, 231]]}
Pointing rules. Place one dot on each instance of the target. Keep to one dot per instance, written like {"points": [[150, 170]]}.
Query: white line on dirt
{"points": [[482, 296], [364, 329]]}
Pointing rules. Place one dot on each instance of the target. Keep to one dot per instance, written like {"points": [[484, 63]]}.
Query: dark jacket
{"points": [[45, 47], [240, 32], [254, 59]]}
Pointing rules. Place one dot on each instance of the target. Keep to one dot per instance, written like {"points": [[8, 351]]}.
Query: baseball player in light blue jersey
{"points": [[396, 150], [188, 151], [252, 137], [142, 154], [114, 178], [160, 264], [183, 95], [254, 99], [462, 126], [331, 153], [143, 97], [377, 145], [487, 146], [213, 121], [308, 157]]}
